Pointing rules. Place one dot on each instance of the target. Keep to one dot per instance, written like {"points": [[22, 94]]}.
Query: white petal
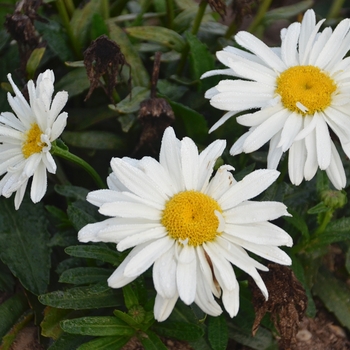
{"points": [[146, 257], [223, 270], [289, 51], [261, 50], [335, 171], [275, 153], [237, 147], [251, 212], [130, 210], [265, 131], [58, 103], [137, 181], [333, 44], [207, 159], [58, 126], [291, 128], [189, 164], [263, 233], [170, 157], [39, 183], [163, 307], [186, 278], [311, 164], [230, 299], [142, 237], [222, 120], [250, 186], [221, 182], [323, 143], [296, 162], [118, 279], [164, 275], [259, 117]]}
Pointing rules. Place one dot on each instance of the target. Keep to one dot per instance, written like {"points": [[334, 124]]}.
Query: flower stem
{"points": [[327, 218], [62, 10], [65, 154], [196, 24], [264, 6], [69, 7], [170, 13]]}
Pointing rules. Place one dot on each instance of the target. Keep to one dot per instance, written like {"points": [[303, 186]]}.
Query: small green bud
{"points": [[334, 199], [137, 312]]}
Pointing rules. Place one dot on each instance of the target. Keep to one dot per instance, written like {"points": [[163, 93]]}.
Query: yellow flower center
{"points": [[32, 143], [190, 217], [305, 89]]}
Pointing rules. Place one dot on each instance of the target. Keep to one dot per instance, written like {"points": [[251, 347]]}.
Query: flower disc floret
{"points": [[305, 89], [33, 143], [190, 217]]}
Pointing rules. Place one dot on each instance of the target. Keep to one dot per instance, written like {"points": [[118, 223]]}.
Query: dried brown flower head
{"points": [[287, 303], [104, 58]]}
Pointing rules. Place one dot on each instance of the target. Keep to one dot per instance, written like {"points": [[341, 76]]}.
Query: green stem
{"points": [[170, 13], [232, 29], [196, 24], [69, 7], [66, 23], [264, 6], [65, 154], [105, 9], [327, 218], [335, 8]]}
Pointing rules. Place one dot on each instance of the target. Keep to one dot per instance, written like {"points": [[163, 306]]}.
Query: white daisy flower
{"points": [[189, 227], [26, 136], [302, 90]]}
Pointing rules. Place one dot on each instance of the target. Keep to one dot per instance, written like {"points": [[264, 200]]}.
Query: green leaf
{"points": [[298, 269], [217, 332], [82, 19], [34, 61], [161, 35], [79, 215], [193, 123], [180, 330], [25, 235], [56, 39], [131, 103], [50, 325], [336, 231], [97, 326], [72, 192], [138, 71], [298, 222], [335, 295], [105, 343], [201, 60], [7, 281], [318, 208], [85, 275], [130, 296], [10, 311], [126, 319], [74, 82], [69, 342], [98, 252], [80, 298], [150, 341], [94, 139]]}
